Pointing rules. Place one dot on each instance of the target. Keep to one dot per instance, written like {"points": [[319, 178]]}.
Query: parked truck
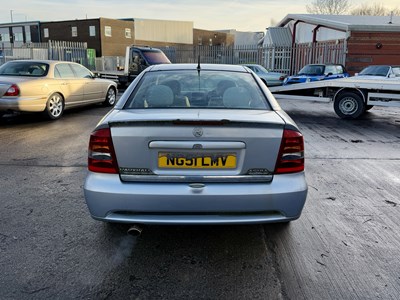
{"points": [[351, 97], [137, 58]]}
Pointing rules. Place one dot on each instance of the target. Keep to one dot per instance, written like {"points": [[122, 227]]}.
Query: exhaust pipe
{"points": [[135, 230]]}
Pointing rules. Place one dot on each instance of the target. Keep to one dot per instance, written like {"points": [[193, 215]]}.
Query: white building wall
{"points": [[304, 33], [248, 38], [244, 38], [164, 31]]}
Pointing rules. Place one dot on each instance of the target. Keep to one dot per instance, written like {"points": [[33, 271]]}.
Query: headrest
{"points": [[236, 97], [159, 96]]}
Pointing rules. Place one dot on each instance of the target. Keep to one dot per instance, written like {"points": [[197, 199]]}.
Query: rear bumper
{"points": [[111, 200], [27, 104]]}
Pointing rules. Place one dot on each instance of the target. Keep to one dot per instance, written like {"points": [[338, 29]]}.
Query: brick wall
{"points": [[372, 48]]}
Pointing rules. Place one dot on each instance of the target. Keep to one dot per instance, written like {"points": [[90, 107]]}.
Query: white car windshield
{"points": [[312, 70], [375, 71]]}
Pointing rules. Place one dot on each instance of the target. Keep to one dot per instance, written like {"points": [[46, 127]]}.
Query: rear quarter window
{"points": [[63, 70]]}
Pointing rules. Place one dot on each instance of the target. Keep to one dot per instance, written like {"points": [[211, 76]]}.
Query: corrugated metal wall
{"points": [[164, 31]]}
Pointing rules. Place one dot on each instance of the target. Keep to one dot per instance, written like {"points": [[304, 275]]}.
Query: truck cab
{"points": [[139, 58]]}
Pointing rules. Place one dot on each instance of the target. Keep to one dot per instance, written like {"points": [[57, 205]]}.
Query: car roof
{"points": [[323, 65], [383, 66], [45, 61], [209, 67], [145, 48]]}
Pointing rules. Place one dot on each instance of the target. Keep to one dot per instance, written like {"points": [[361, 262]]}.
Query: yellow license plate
{"points": [[197, 161]]}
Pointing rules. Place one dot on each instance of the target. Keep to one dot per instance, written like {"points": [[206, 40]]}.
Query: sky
{"points": [[242, 15]]}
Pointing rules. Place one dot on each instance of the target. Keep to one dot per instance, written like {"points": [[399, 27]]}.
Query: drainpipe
{"points": [[292, 57], [314, 43]]}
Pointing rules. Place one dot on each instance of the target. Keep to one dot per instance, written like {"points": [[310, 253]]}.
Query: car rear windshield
{"points": [[197, 89], [24, 68]]}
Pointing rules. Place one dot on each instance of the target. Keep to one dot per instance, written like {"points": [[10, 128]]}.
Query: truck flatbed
{"points": [[351, 96]]}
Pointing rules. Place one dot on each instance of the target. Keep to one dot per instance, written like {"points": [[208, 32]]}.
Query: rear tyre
{"points": [[349, 105], [54, 106], [111, 97]]}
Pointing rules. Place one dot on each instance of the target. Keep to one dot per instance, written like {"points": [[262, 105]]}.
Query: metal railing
{"points": [[53, 50], [286, 59]]}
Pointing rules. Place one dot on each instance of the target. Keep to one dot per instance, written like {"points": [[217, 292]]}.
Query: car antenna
{"points": [[198, 64], [198, 70]]}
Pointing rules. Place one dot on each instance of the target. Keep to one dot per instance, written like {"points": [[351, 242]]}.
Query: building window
{"points": [[128, 33], [4, 35], [92, 31], [200, 41], [107, 30], [17, 34], [74, 31], [28, 34], [46, 32]]}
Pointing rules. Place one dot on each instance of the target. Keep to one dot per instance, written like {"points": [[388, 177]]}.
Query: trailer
{"points": [[351, 97]]}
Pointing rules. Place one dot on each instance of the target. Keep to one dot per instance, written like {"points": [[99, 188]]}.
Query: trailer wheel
{"points": [[349, 105]]}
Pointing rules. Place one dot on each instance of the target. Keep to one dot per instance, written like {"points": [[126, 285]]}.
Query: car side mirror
{"points": [[392, 76], [329, 74]]}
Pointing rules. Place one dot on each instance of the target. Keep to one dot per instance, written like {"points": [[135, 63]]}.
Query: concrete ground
{"points": [[346, 245]]}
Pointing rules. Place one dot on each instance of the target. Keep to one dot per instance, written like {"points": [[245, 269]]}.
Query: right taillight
{"points": [[12, 91], [101, 156], [291, 153]]}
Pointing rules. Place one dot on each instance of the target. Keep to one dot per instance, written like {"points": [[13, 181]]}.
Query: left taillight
{"points": [[101, 155], [13, 90], [291, 153]]}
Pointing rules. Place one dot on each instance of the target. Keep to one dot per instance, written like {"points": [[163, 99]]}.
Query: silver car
{"points": [[270, 78], [50, 87], [180, 147]]}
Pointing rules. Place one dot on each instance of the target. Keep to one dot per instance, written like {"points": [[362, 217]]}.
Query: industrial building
{"points": [[109, 37], [354, 41]]}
